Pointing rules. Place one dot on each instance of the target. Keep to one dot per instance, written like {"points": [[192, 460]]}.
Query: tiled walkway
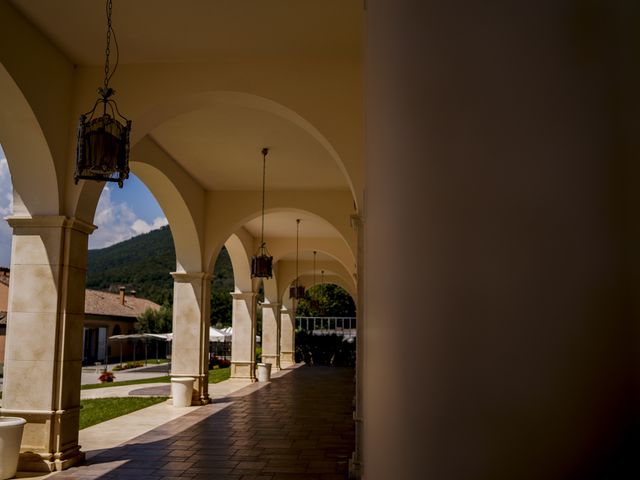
{"points": [[299, 426]]}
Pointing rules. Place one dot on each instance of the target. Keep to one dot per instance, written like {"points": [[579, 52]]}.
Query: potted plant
{"points": [[106, 377]]}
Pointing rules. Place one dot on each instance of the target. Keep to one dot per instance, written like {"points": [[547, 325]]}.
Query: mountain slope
{"points": [[144, 263]]}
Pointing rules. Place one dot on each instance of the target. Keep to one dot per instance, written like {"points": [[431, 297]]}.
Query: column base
{"points": [[274, 360], [44, 431], [41, 462], [287, 359], [244, 370]]}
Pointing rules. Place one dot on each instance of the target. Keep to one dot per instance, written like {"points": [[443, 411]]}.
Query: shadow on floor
{"points": [[299, 426]]}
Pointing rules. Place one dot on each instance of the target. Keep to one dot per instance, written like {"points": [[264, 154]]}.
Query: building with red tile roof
{"points": [[106, 314]]}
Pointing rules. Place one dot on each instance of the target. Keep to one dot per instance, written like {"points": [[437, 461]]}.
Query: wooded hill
{"points": [[144, 263]]}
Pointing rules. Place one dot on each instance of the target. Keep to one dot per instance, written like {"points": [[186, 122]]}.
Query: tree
{"points": [[326, 300], [220, 308], [155, 321]]}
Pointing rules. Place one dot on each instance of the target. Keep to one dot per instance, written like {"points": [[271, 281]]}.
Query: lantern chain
{"points": [[106, 92], [264, 176], [107, 50]]}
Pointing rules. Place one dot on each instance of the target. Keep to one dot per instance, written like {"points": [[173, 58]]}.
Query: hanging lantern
{"points": [[262, 265], [296, 292], [102, 152], [262, 262]]}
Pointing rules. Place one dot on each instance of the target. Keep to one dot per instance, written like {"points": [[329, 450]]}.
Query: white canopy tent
{"points": [[216, 335]]}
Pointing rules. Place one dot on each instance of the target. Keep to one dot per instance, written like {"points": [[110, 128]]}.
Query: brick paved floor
{"points": [[299, 426]]}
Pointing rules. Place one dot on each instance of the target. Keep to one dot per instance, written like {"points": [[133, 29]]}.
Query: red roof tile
{"points": [[106, 303]]}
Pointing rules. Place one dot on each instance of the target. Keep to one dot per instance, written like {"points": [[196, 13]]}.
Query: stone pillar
{"points": [[243, 342], [271, 335], [355, 464], [502, 238], [190, 345], [44, 338], [287, 338]]}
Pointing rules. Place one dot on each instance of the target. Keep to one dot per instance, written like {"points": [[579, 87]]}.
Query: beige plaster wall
{"points": [[151, 94]]}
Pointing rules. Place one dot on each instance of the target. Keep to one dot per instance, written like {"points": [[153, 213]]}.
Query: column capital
{"points": [[187, 277], [50, 221], [243, 295], [274, 306]]}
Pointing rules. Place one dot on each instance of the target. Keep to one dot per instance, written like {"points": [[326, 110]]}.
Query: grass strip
{"points": [[216, 375], [219, 374], [99, 410]]}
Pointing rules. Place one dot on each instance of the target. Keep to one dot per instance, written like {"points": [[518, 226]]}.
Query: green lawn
{"points": [[219, 374], [216, 375], [102, 409]]}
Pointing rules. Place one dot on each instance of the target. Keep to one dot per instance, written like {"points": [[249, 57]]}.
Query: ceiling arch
{"points": [[174, 124], [33, 172]]}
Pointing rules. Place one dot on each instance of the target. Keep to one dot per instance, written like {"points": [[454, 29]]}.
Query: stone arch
{"points": [[171, 199], [332, 278], [332, 269], [271, 289], [183, 227], [238, 215], [280, 252], [35, 181], [155, 116], [240, 256]]}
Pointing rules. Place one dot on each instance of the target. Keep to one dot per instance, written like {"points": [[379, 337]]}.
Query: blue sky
{"points": [[121, 213]]}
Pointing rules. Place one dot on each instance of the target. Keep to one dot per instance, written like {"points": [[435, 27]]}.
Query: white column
{"points": [[271, 334], [44, 338], [287, 338], [243, 342], [355, 470], [190, 345], [501, 237]]}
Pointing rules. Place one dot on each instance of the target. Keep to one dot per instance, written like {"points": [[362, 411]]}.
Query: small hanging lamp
{"points": [[297, 291], [102, 152], [262, 262]]}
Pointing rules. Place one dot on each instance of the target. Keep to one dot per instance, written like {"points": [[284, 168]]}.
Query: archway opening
{"points": [[326, 326], [6, 208], [129, 289]]}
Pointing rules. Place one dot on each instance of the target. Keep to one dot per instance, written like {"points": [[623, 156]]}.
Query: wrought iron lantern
{"points": [[296, 292], [102, 152], [262, 262]]}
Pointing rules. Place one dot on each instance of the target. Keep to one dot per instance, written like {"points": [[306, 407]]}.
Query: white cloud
{"points": [[117, 222], [140, 226]]}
